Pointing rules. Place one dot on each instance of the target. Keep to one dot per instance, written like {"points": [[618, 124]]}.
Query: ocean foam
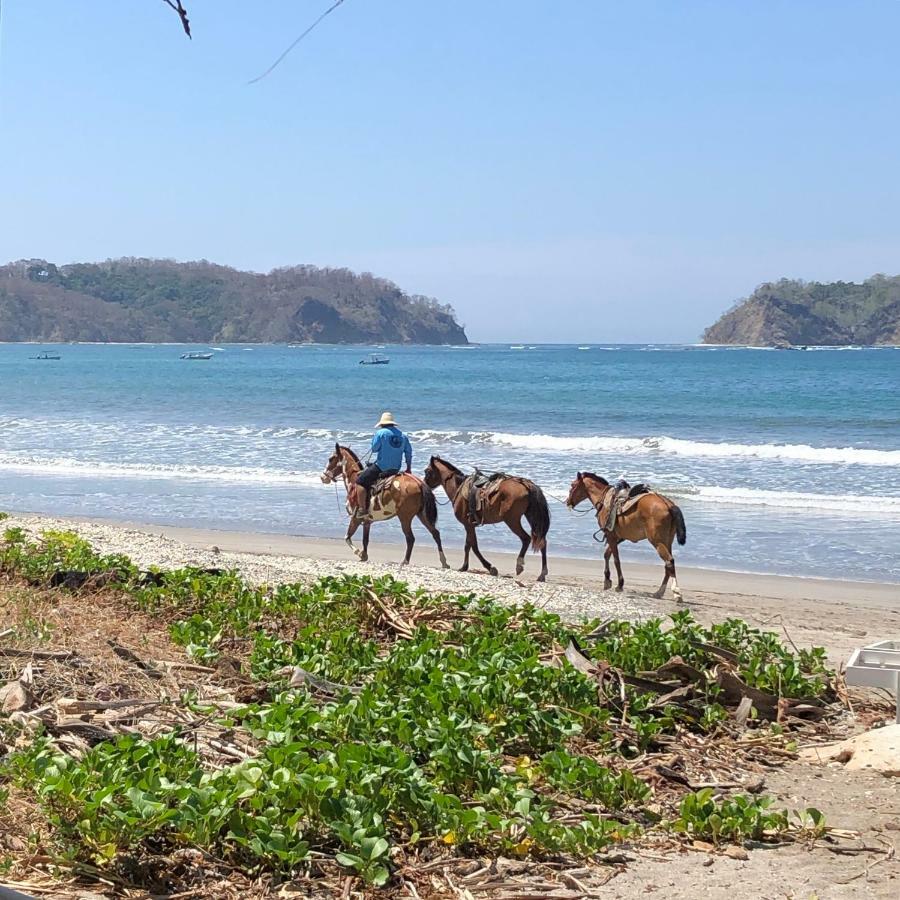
{"points": [[77, 468], [861, 456]]}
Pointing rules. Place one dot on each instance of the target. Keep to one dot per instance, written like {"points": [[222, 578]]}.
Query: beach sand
{"points": [[839, 615]]}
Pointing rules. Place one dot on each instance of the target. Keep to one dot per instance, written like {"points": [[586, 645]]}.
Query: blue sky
{"points": [[603, 171]]}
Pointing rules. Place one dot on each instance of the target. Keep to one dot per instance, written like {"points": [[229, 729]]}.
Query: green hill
{"points": [[801, 312], [158, 300]]}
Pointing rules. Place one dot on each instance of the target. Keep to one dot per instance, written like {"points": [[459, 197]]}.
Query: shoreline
{"points": [[387, 552], [839, 615]]}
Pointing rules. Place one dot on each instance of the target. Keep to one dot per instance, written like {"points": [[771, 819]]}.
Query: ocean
{"points": [[783, 462]]}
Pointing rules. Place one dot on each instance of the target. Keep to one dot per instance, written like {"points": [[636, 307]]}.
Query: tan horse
{"points": [[405, 498], [653, 518], [514, 498]]}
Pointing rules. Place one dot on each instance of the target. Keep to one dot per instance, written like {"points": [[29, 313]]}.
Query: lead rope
{"points": [[578, 513]]}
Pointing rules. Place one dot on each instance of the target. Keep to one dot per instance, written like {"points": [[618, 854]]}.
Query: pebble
{"points": [[146, 550]]}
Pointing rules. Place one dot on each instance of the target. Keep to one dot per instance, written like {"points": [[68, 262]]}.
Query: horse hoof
{"points": [[494, 571], [363, 557], [542, 577], [620, 588], [679, 597], [463, 569], [659, 595], [520, 568], [607, 585]]}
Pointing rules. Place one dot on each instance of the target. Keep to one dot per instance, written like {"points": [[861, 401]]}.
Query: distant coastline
{"points": [[154, 301], [790, 313]]}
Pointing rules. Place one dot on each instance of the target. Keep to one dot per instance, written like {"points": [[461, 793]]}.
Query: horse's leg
{"points": [[615, 553], [406, 525], [365, 551], [543, 575], [351, 530], [665, 554], [515, 526], [465, 566], [433, 531], [473, 540], [607, 577]]}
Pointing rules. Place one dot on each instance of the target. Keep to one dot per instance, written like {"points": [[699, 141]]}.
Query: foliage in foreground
{"points": [[456, 736]]}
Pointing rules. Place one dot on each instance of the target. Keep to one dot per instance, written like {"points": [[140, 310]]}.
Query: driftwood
{"points": [[690, 684]]}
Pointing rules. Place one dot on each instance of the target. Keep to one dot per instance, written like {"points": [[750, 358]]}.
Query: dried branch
{"points": [[182, 14]]}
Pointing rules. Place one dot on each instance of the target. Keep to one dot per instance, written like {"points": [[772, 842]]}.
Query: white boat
{"points": [[374, 360], [516, 346], [196, 356], [45, 356], [584, 348]]}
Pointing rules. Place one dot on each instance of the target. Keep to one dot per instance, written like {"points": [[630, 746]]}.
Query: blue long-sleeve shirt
{"points": [[391, 446]]}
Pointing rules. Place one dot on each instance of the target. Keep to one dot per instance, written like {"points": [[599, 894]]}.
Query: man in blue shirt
{"points": [[391, 447]]}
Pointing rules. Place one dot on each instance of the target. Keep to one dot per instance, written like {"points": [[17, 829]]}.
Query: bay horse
{"points": [[652, 518], [512, 499], [406, 498]]}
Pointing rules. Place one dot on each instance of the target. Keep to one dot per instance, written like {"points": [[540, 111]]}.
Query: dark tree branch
{"points": [[182, 14]]}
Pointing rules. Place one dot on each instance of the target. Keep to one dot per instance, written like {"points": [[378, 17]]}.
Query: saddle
{"points": [[376, 495], [618, 502], [478, 489]]}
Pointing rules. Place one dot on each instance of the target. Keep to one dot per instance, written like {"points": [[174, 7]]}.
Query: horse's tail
{"points": [[538, 514], [429, 505], [680, 527]]}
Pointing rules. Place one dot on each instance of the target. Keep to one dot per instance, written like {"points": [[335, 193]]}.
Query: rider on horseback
{"points": [[391, 447]]}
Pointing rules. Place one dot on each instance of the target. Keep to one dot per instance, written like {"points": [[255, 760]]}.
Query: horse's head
{"points": [[577, 491], [431, 476], [335, 467]]}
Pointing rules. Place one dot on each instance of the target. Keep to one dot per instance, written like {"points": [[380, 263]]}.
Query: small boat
{"points": [[584, 348], [196, 356], [516, 346], [45, 355], [375, 360]]}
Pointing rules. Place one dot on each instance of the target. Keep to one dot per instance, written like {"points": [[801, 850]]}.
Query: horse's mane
{"points": [[449, 465], [351, 453], [599, 478]]}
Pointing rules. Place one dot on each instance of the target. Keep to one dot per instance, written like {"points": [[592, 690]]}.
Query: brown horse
{"points": [[513, 498], [406, 497], [653, 518]]}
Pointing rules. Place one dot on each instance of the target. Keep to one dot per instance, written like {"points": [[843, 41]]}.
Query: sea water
{"points": [[782, 461]]}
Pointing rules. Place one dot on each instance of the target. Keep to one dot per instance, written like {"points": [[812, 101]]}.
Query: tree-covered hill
{"points": [[801, 312], [162, 300]]}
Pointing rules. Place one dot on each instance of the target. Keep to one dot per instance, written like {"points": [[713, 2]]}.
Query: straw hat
{"points": [[386, 419]]}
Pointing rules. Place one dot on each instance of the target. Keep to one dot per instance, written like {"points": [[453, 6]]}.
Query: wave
{"points": [[842, 503], [79, 468], [805, 453], [661, 445], [686, 494]]}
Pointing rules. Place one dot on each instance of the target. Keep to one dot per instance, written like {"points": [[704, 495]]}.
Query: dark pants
{"points": [[369, 475]]}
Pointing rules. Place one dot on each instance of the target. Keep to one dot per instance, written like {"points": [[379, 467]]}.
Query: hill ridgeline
{"points": [[154, 300], [801, 312]]}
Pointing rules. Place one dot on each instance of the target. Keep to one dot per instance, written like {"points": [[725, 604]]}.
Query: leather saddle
{"points": [[478, 489], [619, 501]]}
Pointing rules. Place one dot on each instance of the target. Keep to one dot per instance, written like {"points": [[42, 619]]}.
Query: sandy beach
{"points": [[839, 615]]}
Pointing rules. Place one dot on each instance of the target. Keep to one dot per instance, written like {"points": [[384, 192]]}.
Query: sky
{"points": [[577, 171]]}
